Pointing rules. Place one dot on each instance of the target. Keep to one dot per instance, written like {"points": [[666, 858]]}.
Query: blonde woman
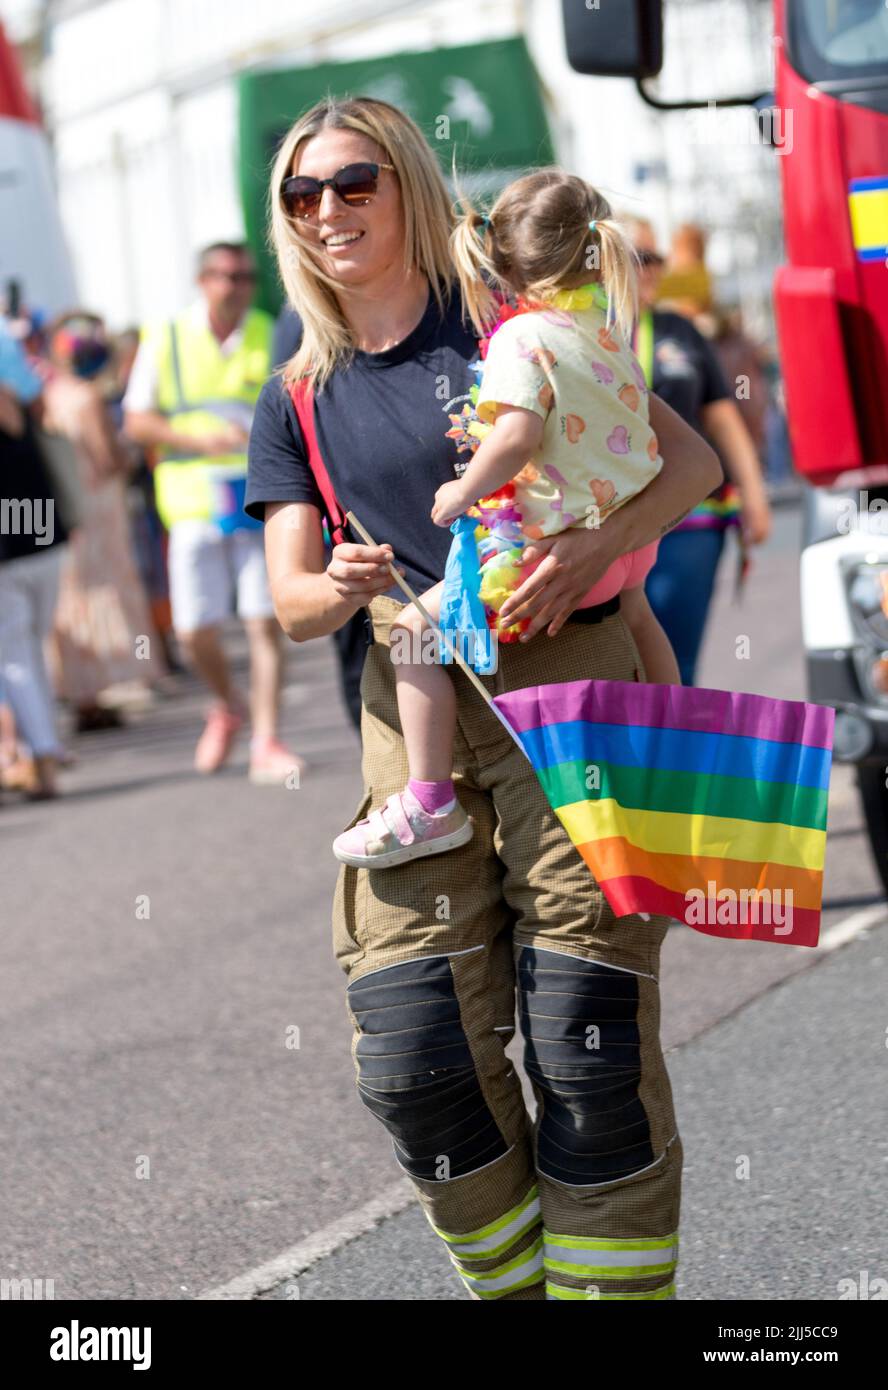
{"points": [[433, 951]]}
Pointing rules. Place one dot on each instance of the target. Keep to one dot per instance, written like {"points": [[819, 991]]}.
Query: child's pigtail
{"points": [[618, 267], [469, 249]]}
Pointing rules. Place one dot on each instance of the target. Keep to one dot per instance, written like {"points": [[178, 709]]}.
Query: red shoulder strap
{"points": [[302, 397]]}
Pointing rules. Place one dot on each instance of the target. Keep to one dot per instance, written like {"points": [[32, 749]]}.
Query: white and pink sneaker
{"points": [[402, 830]]}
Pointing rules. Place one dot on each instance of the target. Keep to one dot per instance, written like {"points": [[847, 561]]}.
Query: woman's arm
{"points": [[577, 559], [726, 428], [311, 600]]}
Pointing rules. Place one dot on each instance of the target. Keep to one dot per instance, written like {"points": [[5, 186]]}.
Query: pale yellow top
{"points": [[585, 382]]}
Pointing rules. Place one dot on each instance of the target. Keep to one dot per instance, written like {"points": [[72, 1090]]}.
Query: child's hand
{"points": [[450, 502]]}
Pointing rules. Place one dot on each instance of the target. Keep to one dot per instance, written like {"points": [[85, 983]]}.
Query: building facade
{"points": [[141, 102]]}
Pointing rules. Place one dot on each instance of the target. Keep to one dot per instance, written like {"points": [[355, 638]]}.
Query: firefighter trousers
{"points": [[582, 1201]]}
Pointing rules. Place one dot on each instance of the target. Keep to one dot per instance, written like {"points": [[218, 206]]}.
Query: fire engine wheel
{"points": [[874, 797]]}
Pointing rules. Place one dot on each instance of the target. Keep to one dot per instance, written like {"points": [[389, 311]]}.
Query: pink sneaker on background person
{"points": [[271, 762], [217, 739], [400, 831]]}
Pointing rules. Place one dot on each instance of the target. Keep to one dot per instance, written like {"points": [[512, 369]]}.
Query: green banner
{"points": [[482, 100]]}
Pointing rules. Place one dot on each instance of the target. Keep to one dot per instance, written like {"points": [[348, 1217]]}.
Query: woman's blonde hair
{"points": [[536, 236], [428, 221]]}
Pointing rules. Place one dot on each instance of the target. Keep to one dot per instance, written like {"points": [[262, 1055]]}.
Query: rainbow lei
{"points": [[500, 543], [499, 538]]}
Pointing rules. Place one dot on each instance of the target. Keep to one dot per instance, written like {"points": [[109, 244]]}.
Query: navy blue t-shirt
{"points": [[687, 373], [381, 424]]}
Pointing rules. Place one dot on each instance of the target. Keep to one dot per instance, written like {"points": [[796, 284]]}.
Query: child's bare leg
{"points": [[654, 647], [426, 696]]}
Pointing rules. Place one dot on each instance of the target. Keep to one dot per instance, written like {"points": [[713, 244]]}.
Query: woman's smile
{"points": [[340, 243]]}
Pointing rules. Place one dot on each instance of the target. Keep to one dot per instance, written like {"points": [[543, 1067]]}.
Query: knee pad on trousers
{"points": [[583, 1053], [416, 1073]]}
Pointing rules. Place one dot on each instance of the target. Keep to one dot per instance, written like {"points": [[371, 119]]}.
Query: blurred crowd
{"points": [[686, 286], [103, 590], [84, 607], [87, 626]]}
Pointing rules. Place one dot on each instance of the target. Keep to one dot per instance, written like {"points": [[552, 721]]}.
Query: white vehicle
{"points": [[34, 261]]}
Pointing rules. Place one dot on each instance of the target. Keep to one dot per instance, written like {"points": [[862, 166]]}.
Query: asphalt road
{"points": [[163, 934]]}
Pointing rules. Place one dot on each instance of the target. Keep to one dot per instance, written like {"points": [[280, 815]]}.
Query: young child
{"points": [[567, 402]]}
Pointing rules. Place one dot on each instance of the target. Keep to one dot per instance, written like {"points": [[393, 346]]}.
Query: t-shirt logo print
{"points": [[466, 430]]}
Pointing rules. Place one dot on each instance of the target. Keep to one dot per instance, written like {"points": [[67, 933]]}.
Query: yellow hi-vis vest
{"points": [[199, 391]]}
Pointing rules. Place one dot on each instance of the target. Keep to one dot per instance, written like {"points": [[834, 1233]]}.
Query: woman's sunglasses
{"points": [[355, 184], [647, 258]]}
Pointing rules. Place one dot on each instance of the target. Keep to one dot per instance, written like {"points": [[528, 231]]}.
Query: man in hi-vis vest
{"points": [[191, 396]]}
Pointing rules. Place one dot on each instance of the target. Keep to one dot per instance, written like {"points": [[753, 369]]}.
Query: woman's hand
{"points": [[755, 516], [450, 502], [313, 596], [571, 563], [360, 572]]}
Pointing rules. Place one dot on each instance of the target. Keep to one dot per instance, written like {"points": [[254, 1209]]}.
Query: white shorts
{"points": [[209, 568]]}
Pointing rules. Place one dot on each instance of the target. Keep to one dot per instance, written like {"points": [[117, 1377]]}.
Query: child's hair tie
{"points": [[592, 225], [483, 224]]}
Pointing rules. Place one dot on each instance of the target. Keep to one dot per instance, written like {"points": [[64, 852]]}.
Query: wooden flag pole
{"points": [[463, 665]]}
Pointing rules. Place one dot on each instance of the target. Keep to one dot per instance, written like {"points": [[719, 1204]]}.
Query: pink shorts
{"points": [[627, 572]]}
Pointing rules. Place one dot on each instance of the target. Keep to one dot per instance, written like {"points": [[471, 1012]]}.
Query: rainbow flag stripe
{"points": [[708, 806], [714, 513]]}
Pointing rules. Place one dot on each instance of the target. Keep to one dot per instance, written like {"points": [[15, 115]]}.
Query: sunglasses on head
{"points": [[355, 184]]}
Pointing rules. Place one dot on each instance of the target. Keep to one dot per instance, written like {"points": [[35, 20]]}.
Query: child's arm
{"points": [[511, 442], [654, 647]]}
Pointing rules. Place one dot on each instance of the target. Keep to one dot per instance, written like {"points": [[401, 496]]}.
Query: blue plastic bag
{"points": [[463, 615]]}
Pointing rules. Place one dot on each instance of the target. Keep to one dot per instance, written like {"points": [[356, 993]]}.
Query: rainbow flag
{"points": [[704, 805]]}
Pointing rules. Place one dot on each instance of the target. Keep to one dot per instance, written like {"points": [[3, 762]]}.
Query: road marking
{"points": [[844, 931], [325, 1242], [317, 1246]]}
